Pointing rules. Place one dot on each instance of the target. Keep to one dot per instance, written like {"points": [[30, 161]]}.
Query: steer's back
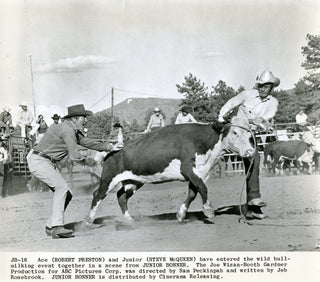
{"points": [[153, 152]]}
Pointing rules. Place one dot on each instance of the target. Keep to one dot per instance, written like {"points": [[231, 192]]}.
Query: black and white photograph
{"points": [[160, 140]]}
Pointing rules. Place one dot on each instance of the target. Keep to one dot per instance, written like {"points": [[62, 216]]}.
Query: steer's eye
{"points": [[234, 132]]}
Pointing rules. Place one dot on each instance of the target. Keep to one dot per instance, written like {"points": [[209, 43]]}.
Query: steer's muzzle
{"points": [[249, 153]]}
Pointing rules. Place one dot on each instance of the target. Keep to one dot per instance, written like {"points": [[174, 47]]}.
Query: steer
{"points": [[184, 152], [278, 151]]}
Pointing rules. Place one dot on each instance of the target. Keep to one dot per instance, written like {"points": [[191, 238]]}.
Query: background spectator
{"points": [[301, 119], [156, 120], [5, 121], [25, 119], [55, 118], [185, 116]]}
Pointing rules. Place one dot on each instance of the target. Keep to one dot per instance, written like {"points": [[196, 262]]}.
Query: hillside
{"points": [[136, 108]]}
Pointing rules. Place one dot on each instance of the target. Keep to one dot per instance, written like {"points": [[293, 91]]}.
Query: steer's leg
{"points": [[275, 164], [192, 193], [124, 194], [187, 172], [98, 196]]}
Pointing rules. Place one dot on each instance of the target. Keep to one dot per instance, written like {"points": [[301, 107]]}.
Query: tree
{"points": [[99, 125], [287, 108], [221, 93], [308, 88], [195, 95], [312, 62]]}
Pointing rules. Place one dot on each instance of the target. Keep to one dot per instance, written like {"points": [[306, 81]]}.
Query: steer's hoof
{"points": [[208, 210], [128, 218], [182, 212], [84, 225], [181, 216]]}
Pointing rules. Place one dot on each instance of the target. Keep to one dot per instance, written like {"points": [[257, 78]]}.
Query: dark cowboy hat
{"points": [[117, 125], [76, 110], [186, 109], [55, 116]]}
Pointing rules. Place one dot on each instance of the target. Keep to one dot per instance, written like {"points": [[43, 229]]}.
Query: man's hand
{"points": [[116, 147], [221, 119]]}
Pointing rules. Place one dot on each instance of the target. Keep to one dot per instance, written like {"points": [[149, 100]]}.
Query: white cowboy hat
{"points": [[156, 109], [267, 77]]}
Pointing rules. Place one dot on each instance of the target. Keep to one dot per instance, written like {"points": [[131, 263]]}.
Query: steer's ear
{"points": [[218, 126]]}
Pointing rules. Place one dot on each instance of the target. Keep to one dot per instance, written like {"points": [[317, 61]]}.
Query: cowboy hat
{"points": [[156, 109], [267, 77], [76, 110], [186, 109], [55, 116]]}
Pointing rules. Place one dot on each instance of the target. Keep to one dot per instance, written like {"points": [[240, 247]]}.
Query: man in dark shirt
{"points": [[59, 141], [5, 121]]}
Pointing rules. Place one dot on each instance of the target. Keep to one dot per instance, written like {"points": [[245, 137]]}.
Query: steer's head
{"points": [[237, 138]]}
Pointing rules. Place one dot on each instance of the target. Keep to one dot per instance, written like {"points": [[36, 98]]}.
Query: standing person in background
{"points": [[55, 118], [5, 122], [301, 119], [258, 107], [156, 120], [6, 167], [62, 140], [25, 119], [39, 129], [185, 116]]}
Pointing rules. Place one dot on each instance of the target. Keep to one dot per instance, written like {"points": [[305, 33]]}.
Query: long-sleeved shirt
{"points": [[63, 139], [251, 106], [155, 121], [24, 118], [185, 119]]}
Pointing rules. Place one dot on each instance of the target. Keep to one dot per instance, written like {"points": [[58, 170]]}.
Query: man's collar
{"points": [[70, 123], [265, 99]]}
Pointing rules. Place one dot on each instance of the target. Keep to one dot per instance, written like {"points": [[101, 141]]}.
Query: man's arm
{"points": [[231, 104], [178, 119], [192, 118], [69, 137], [149, 124], [162, 122], [94, 144]]}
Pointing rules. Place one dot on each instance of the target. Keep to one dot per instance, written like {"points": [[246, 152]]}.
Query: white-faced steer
{"points": [[184, 152]]}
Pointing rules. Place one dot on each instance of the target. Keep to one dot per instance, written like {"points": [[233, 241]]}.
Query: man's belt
{"points": [[44, 156]]}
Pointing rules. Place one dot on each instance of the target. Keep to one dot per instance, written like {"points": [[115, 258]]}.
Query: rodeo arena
{"points": [[288, 169]]}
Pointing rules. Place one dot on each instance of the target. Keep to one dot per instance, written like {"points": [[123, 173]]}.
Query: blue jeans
{"points": [[253, 182]]}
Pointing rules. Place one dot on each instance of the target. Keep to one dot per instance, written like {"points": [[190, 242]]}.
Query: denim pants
{"points": [[253, 182], [46, 171]]}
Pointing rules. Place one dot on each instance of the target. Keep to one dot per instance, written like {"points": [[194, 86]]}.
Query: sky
{"points": [[59, 53]]}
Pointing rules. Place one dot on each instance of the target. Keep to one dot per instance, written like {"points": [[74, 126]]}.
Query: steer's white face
{"points": [[238, 139]]}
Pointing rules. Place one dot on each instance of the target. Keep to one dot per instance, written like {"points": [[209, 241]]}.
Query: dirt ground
{"points": [[292, 223]]}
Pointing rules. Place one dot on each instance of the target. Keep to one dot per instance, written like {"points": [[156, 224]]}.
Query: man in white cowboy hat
{"points": [[25, 119], [156, 120], [258, 107], [60, 141], [5, 121]]}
